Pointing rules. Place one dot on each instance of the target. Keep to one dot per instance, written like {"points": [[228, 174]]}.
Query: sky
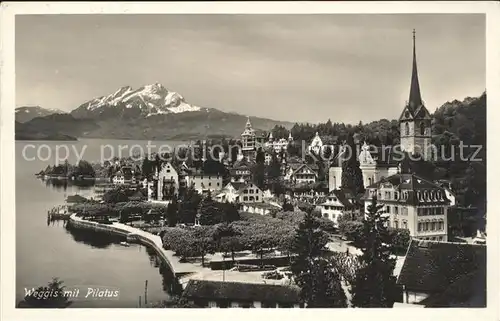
{"points": [[299, 68]]}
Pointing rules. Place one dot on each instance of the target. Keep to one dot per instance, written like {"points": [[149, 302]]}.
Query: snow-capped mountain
{"points": [[146, 101], [27, 113]]}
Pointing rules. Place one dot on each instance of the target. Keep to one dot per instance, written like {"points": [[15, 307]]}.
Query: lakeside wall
{"points": [[133, 234]]}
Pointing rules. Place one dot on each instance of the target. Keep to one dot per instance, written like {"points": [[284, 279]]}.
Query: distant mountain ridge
{"points": [[27, 113], [149, 112]]}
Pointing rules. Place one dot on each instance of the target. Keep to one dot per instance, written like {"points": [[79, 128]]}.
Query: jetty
{"points": [[58, 213]]}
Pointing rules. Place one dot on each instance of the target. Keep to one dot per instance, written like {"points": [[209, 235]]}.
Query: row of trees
{"points": [[260, 234]]}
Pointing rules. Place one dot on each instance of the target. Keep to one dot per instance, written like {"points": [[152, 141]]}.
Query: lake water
{"points": [[82, 260]]}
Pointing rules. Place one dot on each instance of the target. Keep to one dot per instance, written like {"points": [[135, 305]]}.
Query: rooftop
{"points": [[240, 291], [434, 266]]}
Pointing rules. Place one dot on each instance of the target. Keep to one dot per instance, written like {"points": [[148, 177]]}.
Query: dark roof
{"points": [[468, 291], [410, 183], [433, 266], [406, 181], [344, 198], [238, 291], [76, 199], [238, 185]]}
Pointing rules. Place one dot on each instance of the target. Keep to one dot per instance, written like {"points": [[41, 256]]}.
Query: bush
{"points": [[327, 225], [350, 229], [400, 240]]}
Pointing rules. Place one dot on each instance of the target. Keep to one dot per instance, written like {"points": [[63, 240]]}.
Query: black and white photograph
{"points": [[232, 160]]}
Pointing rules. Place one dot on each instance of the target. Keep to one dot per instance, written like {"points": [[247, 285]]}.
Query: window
{"points": [[209, 183], [396, 210], [405, 225], [433, 226], [256, 198], [407, 129], [218, 184], [422, 129], [396, 195], [388, 209], [396, 224], [245, 198], [419, 227]]}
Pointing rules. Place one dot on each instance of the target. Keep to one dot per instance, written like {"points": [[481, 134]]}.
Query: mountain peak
{"points": [[148, 100]]}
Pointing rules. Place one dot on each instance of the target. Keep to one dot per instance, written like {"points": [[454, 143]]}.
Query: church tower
{"points": [[415, 120]]}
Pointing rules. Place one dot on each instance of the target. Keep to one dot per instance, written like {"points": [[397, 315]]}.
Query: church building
{"points": [[415, 120], [415, 137]]}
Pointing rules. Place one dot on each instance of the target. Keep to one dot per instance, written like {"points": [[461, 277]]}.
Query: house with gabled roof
{"points": [[413, 203], [241, 192], [336, 204], [441, 274], [167, 182], [218, 294], [301, 173]]}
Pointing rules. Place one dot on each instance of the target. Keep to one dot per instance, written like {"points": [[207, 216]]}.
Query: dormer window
{"points": [[407, 128]]}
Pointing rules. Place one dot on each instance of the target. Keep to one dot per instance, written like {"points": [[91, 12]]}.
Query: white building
{"points": [[240, 192], [413, 203], [204, 183], [316, 145], [334, 205], [277, 145], [167, 175]]}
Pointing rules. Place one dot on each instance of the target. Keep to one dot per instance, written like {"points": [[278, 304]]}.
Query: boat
{"points": [[124, 244]]}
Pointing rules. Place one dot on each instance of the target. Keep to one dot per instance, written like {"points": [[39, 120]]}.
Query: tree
{"points": [[375, 285], [50, 296], [189, 205], [259, 174], [171, 214], [85, 169], [319, 286], [202, 244], [352, 177], [262, 243], [147, 167], [260, 156], [210, 213], [115, 195], [228, 239]]}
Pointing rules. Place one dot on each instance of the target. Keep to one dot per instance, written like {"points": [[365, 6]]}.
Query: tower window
{"points": [[422, 129], [407, 129]]}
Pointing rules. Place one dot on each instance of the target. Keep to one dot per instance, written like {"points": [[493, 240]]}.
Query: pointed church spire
{"points": [[415, 97]]}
